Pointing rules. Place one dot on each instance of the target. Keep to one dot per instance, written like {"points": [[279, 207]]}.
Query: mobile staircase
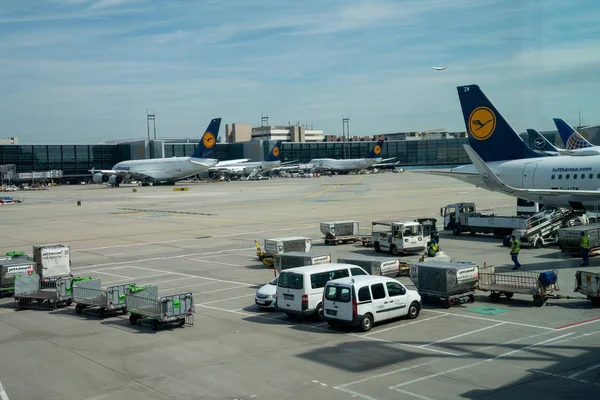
{"points": [[542, 228]]}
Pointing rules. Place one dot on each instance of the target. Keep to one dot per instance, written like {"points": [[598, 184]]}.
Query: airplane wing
{"points": [[199, 163], [494, 183], [440, 172], [230, 162], [125, 174]]}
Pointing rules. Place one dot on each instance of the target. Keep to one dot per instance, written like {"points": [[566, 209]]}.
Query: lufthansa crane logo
{"points": [[209, 140], [377, 149], [482, 123], [539, 143], [276, 151]]}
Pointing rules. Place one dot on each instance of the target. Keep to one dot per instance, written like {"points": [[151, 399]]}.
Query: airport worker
{"points": [[433, 248], [585, 249], [515, 248]]}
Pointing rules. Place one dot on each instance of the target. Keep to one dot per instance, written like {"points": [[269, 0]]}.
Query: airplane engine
{"points": [[115, 179], [100, 178]]}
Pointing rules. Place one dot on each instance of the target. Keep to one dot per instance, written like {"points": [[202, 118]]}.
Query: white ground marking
{"points": [[461, 335], [215, 262], [194, 276], [403, 325], [576, 374], [163, 258], [140, 278], [231, 298], [109, 274], [224, 289], [471, 365], [537, 371], [494, 320], [3, 394], [187, 286]]}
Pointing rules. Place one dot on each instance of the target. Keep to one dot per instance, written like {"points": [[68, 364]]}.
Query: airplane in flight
{"points": [[164, 170], [440, 68], [272, 162], [355, 164], [575, 143], [502, 162]]}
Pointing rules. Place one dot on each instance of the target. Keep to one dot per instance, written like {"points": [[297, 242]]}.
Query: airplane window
{"points": [[552, 176], [560, 176], [574, 176], [582, 176], [598, 176], [567, 176], [591, 176]]}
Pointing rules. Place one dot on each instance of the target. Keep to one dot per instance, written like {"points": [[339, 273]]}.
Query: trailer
{"points": [[391, 267], [295, 259], [89, 294], [340, 232], [588, 284], [569, 239], [147, 307], [450, 282], [280, 246], [506, 282], [398, 237], [32, 292], [463, 217], [11, 268]]}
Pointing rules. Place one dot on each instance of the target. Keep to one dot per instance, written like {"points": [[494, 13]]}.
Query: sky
{"points": [[86, 71]]}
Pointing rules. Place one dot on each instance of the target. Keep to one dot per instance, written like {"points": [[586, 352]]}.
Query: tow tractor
{"points": [[398, 237]]}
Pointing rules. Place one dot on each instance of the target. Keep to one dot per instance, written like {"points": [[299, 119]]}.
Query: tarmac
{"points": [[202, 241]]}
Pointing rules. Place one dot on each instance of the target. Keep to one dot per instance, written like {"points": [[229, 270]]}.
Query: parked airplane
{"points": [[575, 143], [247, 168], [439, 68], [355, 164], [542, 145], [502, 162], [167, 170]]}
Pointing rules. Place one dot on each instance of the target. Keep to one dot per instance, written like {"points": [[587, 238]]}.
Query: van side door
{"points": [[397, 299], [380, 302]]}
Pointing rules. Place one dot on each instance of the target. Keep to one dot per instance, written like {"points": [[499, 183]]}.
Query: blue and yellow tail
{"points": [[570, 137], [540, 143], [274, 154], [206, 147], [490, 135], [376, 151]]}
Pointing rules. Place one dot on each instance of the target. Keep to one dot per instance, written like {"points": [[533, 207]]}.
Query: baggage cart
{"points": [[11, 268], [89, 294], [588, 284], [146, 306], [340, 232], [506, 282], [31, 292], [391, 267], [450, 282], [295, 259]]}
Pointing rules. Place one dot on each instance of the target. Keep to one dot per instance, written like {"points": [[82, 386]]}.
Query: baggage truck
{"points": [[339, 232], [295, 259], [569, 239], [52, 261], [588, 284], [450, 282], [391, 267], [398, 237], [463, 217], [11, 268]]}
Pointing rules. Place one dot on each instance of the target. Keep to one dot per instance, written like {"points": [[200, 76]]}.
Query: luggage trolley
{"points": [[144, 305], [88, 293], [508, 282], [31, 292]]}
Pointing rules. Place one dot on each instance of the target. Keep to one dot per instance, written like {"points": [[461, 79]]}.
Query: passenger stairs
{"points": [[543, 227]]}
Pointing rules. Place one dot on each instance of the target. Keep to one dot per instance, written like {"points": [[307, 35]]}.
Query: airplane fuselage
{"points": [[565, 173], [353, 164], [248, 167], [165, 169]]}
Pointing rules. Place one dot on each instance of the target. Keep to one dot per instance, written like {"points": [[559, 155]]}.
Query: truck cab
{"points": [[429, 228], [452, 214], [398, 237]]}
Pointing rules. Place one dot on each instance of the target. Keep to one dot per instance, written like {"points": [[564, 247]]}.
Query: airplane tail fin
{"points": [[540, 143], [490, 135], [376, 151], [274, 154], [206, 147], [570, 137]]}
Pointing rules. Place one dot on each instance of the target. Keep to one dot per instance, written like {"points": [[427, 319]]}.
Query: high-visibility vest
{"points": [[585, 242], [516, 246]]}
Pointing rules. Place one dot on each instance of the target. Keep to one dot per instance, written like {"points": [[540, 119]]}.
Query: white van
{"points": [[363, 300], [300, 290]]}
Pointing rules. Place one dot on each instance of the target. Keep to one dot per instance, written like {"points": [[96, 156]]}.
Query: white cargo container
{"points": [[588, 284], [288, 244], [52, 260], [297, 259], [377, 266], [339, 228]]}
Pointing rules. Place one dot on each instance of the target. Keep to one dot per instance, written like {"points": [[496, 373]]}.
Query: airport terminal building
{"points": [[21, 162]]}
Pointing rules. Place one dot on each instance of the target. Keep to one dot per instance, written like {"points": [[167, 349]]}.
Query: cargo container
{"points": [[52, 260], [391, 267], [288, 244], [449, 282], [588, 284], [296, 259], [569, 239], [339, 232], [11, 268]]}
